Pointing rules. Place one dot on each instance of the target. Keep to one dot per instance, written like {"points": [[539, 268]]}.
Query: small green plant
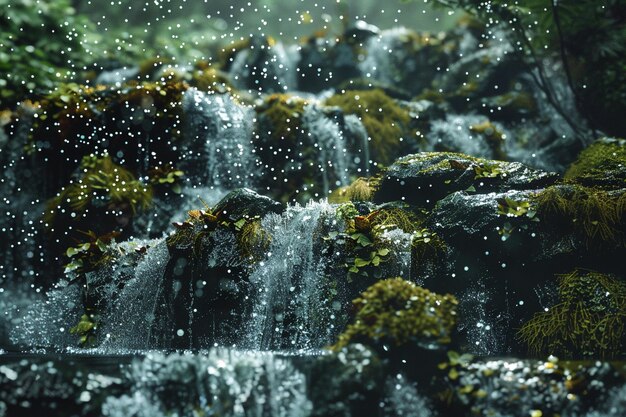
{"points": [[487, 170], [167, 176], [515, 208], [363, 235], [396, 312], [85, 329], [88, 255]]}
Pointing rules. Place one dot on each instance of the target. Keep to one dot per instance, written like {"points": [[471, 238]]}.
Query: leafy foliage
{"points": [[588, 37], [85, 329], [40, 45], [88, 255], [364, 236]]}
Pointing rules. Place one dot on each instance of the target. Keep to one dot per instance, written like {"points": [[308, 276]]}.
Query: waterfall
{"points": [[385, 61], [219, 133], [271, 68], [134, 320], [287, 300], [357, 130], [326, 135]]}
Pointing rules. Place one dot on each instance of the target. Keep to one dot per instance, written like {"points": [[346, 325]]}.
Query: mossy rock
{"points": [[587, 322], [394, 312], [424, 178], [103, 197], [387, 122], [602, 164], [594, 215]]}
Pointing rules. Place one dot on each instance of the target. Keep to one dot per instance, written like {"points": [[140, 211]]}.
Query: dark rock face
{"points": [[423, 179], [245, 203]]}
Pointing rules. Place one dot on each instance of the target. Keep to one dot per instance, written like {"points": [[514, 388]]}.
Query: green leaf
{"points": [[239, 224], [383, 252], [73, 266], [359, 262]]}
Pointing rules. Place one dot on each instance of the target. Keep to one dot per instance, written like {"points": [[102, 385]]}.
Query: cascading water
{"points": [[219, 132], [331, 144], [287, 286], [134, 320]]}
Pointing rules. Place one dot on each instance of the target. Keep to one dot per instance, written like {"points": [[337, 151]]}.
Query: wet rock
{"points": [[245, 203], [347, 383], [424, 178], [504, 249]]}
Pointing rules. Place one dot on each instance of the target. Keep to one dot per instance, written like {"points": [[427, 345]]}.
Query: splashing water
{"points": [[223, 382]]}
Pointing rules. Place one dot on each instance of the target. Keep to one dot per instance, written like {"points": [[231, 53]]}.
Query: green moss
{"points": [[597, 216], [397, 312], [104, 182], [361, 189], [282, 115], [387, 123], [587, 322], [602, 163]]}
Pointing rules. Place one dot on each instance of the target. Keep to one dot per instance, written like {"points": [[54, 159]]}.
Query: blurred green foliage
{"points": [[587, 35], [40, 44]]}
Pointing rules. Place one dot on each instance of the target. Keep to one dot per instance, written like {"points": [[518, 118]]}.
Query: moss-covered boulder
{"points": [[394, 312], [424, 178], [586, 322], [388, 123], [502, 249], [602, 164]]}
